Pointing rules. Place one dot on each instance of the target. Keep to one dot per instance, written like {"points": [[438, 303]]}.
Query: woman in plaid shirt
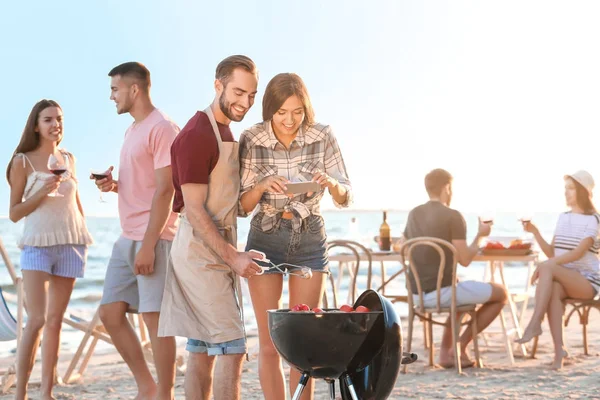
{"points": [[288, 146]]}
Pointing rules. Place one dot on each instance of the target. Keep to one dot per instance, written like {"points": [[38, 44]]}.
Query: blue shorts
{"points": [[236, 346], [66, 260], [307, 248]]}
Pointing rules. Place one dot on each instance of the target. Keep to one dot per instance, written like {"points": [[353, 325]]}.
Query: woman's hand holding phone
{"points": [[274, 184]]}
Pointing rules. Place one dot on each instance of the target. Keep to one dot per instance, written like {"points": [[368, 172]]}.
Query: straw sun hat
{"points": [[584, 178]]}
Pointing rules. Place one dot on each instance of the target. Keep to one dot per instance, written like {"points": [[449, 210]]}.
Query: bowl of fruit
{"points": [[514, 247]]}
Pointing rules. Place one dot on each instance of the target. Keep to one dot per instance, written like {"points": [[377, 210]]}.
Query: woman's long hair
{"points": [[584, 198], [30, 139]]}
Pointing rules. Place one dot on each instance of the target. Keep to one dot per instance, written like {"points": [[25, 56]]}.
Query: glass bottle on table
{"points": [[385, 238]]}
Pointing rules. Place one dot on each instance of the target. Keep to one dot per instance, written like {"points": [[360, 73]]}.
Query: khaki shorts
{"points": [[467, 292], [143, 293]]}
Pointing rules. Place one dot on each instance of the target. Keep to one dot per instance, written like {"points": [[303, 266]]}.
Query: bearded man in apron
{"points": [[202, 297]]}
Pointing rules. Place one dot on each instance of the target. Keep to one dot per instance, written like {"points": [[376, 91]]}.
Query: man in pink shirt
{"points": [[135, 277]]}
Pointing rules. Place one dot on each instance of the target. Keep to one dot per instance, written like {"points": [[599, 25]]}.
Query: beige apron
{"points": [[202, 298]]}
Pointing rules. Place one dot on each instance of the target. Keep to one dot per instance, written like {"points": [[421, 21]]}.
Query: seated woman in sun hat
{"points": [[572, 269]]}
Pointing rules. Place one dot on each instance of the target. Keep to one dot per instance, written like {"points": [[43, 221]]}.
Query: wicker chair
{"points": [[427, 314], [582, 308], [359, 253]]}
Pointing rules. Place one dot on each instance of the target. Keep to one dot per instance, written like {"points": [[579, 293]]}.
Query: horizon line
{"points": [[337, 210]]}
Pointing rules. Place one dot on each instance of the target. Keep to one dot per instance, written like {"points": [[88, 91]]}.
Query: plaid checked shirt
{"points": [[313, 150]]}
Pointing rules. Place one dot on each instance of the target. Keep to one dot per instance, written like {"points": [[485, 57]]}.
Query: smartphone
{"points": [[302, 187]]}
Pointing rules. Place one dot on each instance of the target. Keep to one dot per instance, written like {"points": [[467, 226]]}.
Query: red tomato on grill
{"points": [[346, 308], [300, 307]]}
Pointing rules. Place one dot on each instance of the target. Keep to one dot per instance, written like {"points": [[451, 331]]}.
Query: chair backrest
{"points": [[361, 254], [407, 253], [8, 323]]}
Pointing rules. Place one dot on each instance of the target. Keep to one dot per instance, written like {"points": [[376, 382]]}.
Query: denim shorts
{"points": [[236, 346], [307, 248], [66, 260]]}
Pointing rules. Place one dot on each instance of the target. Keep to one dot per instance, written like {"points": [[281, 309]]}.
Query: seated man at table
{"points": [[436, 219]]}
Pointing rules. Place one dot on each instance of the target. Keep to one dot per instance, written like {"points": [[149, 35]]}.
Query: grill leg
{"points": [[351, 387], [301, 385], [331, 389]]}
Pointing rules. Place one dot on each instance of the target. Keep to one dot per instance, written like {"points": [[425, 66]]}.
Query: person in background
{"points": [[436, 219], [289, 145], [54, 242], [572, 268], [135, 276]]}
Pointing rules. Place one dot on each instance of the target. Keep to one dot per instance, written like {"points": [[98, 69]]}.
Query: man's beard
{"points": [[226, 107], [124, 108]]}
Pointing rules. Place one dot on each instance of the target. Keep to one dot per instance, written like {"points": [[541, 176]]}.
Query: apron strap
{"points": [[211, 117], [237, 281]]}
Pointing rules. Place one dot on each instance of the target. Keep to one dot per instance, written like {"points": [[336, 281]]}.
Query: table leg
{"points": [[525, 303], [513, 311], [351, 267], [341, 266], [507, 340], [487, 276]]}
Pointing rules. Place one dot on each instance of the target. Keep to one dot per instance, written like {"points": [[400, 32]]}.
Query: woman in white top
{"points": [[54, 242], [572, 268]]}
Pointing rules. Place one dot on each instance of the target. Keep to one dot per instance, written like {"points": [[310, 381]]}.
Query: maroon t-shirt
{"points": [[194, 154]]}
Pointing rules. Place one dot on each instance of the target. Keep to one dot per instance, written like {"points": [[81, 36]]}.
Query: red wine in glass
{"points": [[58, 171], [525, 218], [97, 175], [57, 166]]}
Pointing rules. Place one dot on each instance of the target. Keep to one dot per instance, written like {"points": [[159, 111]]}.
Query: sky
{"points": [[504, 95]]}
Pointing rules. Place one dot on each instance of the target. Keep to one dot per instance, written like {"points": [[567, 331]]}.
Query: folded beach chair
{"points": [[92, 329], [95, 331], [10, 329]]}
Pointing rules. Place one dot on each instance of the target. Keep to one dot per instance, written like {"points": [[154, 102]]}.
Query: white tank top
{"points": [[56, 220]]}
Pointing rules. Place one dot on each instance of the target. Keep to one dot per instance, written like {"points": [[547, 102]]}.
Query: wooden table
{"points": [[495, 268], [496, 265]]}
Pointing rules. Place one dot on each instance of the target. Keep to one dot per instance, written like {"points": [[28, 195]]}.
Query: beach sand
{"points": [[107, 376]]}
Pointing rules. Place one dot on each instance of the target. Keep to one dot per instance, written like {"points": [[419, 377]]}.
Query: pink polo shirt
{"points": [[146, 147]]}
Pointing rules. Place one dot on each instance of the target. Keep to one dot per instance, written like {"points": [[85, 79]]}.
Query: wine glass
{"points": [[97, 174], [487, 217], [57, 167], [525, 219]]}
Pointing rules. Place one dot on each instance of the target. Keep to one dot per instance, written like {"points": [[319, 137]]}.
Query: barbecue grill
{"points": [[362, 350]]}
